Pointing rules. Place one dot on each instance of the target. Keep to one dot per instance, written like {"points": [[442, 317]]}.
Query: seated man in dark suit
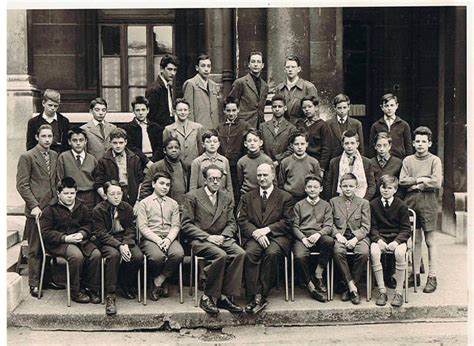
{"points": [[265, 222], [208, 221]]}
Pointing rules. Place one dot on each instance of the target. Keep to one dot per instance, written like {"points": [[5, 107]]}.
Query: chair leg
{"points": [[292, 267], [102, 279], [181, 299], [196, 274], [415, 289], [369, 288], [191, 270], [145, 281], [328, 280], [278, 275], [68, 284], [40, 288], [139, 286], [332, 279], [286, 278], [406, 278]]}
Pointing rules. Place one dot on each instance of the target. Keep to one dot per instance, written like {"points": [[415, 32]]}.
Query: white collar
{"points": [[289, 84], [123, 153], [313, 202], [97, 123], [82, 154], [49, 120], [269, 191], [202, 80], [209, 193], [164, 80], [342, 120], [390, 201]]}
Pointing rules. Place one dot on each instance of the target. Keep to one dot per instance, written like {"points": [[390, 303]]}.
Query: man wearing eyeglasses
{"points": [[208, 222]]}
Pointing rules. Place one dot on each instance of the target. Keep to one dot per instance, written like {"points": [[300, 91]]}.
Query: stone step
{"points": [[12, 256], [13, 237], [14, 291]]}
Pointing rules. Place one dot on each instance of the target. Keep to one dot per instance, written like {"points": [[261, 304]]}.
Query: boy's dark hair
{"points": [[294, 58], [142, 100], [171, 139], [341, 98], [423, 130], [208, 134], [313, 177], [383, 135], [181, 100], [254, 132], [118, 133], [256, 52], [208, 168], [350, 134], [110, 183], [313, 99], [76, 131], [67, 182], [44, 127], [278, 98], [161, 174], [202, 57], [298, 132], [348, 176], [52, 95], [387, 97], [97, 100], [231, 99], [388, 179], [169, 59]]}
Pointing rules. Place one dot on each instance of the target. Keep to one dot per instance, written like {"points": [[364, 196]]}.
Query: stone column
{"points": [[219, 45], [22, 96], [288, 32]]}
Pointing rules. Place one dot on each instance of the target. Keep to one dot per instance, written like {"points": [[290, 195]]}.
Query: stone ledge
{"points": [[14, 291]]}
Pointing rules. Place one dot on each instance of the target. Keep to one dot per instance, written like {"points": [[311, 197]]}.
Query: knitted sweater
{"points": [[390, 224], [309, 219], [415, 167], [319, 141], [83, 175], [247, 170], [293, 171]]}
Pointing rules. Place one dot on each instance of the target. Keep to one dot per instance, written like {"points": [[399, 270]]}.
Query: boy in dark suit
{"points": [[67, 227], [36, 181], [390, 231], [160, 93], [114, 227], [265, 222], [351, 161], [98, 129], [209, 223], [351, 227], [121, 164], [145, 137], [341, 123], [251, 91], [50, 115]]}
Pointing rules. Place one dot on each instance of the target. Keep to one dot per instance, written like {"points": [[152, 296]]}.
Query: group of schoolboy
{"points": [[242, 192]]}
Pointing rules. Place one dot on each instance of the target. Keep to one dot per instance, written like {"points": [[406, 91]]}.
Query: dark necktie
{"points": [[382, 162], [101, 129], [264, 199], [78, 159], [47, 160], [386, 204]]}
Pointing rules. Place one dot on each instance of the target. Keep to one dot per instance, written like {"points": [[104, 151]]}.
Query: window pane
{"points": [[137, 71], [113, 98], [156, 65], [162, 39], [136, 39], [132, 93], [110, 36], [111, 71]]}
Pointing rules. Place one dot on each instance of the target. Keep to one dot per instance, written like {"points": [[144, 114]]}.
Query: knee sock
{"points": [[399, 276], [432, 255], [159, 280], [378, 273], [318, 273]]}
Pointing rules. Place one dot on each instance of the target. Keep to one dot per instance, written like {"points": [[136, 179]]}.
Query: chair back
{"points": [[412, 214]]}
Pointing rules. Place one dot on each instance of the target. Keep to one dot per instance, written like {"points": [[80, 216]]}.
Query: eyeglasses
{"points": [[214, 179]]}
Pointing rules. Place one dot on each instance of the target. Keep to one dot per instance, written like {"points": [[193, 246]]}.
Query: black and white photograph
{"points": [[237, 173]]}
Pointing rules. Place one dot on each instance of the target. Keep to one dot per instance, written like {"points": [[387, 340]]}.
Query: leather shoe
{"points": [[110, 308], [397, 300], [93, 296], [54, 286], [155, 293], [320, 286], [34, 291], [355, 297], [381, 299], [208, 306], [317, 294], [431, 285], [345, 296], [80, 298], [260, 304], [128, 293], [164, 290], [250, 306], [228, 305]]}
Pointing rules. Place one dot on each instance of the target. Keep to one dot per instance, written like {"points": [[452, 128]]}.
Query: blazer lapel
{"points": [[94, 130], [270, 204], [354, 205], [220, 205], [40, 161], [205, 202], [200, 84], [251, 84], [335, 126]]}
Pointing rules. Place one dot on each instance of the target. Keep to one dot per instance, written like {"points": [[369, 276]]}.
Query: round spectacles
{"points": [[214, 179]]}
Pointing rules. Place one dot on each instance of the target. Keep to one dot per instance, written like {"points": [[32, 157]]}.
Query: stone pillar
{"points": [[22, 96], [326, 51], [219, 46], [288, 32]]}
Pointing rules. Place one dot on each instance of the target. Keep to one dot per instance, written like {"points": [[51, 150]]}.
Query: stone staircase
{"points": [[15, 226]]}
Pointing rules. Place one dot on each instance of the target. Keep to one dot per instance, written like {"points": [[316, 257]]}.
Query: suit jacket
{"points": [[157, 95], [97, 145], [332, 175], [33, 182], [277, 216], [135, 138], [353, 125], [201, 219], [103, 220], [293, 98], [276, 145], [392, 167], [392, 224], [252, 103], [191, 144], [107, 169], [57, 222], [63, 126], [357, 218], [204, 102], [400, 133]]}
